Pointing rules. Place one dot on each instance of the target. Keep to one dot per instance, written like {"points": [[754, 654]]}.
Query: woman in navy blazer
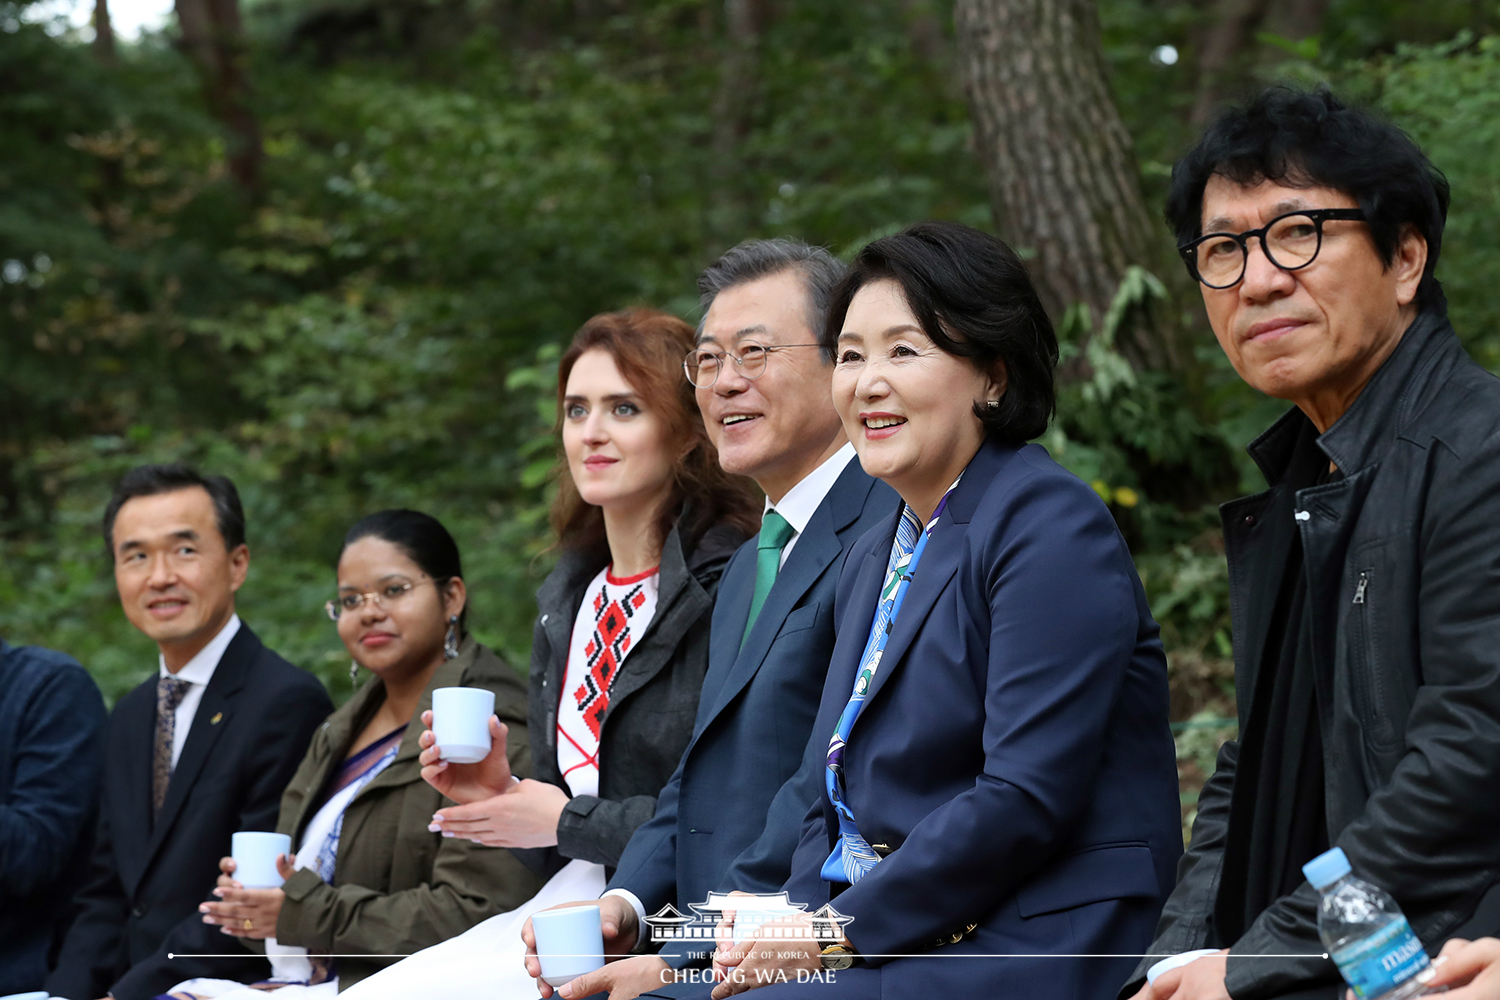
{"points": [[1007, 779]]}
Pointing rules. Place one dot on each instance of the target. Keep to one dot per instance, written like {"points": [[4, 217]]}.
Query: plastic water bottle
{"points": [[1366, 933]]}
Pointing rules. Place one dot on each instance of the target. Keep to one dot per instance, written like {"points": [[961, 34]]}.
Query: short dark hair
{"points": [[152, 480], [420, 536], [1311, 138], [756, 259], [974, 298]]}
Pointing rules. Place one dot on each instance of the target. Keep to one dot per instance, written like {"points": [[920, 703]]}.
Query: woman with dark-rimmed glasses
{"points": [[367, 877]]}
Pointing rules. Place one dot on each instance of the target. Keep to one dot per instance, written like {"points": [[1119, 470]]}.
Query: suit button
{"points": [[1249, 520], [138, 912]]}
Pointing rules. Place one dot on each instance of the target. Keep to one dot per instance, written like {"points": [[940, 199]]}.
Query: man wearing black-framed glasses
{"points": [[1364, 582]]}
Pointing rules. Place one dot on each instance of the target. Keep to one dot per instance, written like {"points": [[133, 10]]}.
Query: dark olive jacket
{"points": [[652, 702], [1403, 572], [398, 888]]}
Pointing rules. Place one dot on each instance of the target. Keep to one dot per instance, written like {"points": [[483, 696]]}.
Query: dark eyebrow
{"points": [[614, 397], [186, 535], [384, 579], [1223, 225]]}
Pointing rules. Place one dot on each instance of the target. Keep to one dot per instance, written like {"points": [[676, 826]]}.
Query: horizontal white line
{"points": [[925, 954]]}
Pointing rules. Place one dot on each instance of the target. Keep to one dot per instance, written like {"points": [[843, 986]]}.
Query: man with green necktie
{"points": [[731, 815]]}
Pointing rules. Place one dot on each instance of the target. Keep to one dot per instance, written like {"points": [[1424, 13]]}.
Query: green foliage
{"points": [[383, 329], [450, 195]]}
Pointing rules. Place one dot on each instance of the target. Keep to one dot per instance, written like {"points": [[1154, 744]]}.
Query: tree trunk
{"points": [[1221, 53], [1063, 180], [214, 40], [104, 34]]}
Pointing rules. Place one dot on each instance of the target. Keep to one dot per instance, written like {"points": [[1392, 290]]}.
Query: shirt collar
{"points": [[803, 499], [200, 669]]}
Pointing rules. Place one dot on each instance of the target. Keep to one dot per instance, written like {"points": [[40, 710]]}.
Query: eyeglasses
{"points": [[702, 367], [1290, 241], [391, 593]]}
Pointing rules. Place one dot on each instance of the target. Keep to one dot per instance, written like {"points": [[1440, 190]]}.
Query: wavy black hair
{"points": [[1313, 139], [974, 298]]}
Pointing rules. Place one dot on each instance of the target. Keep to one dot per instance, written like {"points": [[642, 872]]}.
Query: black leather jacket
{"points": [[1403, 563]]}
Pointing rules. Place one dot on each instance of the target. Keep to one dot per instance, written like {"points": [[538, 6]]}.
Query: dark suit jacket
{"points": [[1014, 750], [652, 703], [248, 736], [754, 718], [51, 761]]}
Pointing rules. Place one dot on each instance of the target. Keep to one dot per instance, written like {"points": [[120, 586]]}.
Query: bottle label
{"points": [[1375, 965]]}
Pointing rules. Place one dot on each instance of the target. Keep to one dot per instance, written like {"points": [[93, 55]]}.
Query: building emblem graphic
{"points": [[751, 912]]}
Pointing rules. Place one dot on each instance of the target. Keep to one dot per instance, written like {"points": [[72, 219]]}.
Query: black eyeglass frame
{"points": [[1189, 251]]}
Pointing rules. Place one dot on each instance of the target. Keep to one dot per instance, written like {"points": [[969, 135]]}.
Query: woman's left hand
{"points": [[525, 815], [770, 958], [248, 913]]}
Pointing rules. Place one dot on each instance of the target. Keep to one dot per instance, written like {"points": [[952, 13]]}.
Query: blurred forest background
{"points": [[331, 248]]}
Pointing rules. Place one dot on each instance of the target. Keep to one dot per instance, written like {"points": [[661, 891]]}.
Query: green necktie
{"points": [[775, 532]]}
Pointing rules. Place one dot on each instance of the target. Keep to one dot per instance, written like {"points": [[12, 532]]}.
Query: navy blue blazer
{"points": [[1014, 751], [51, 762], [754, 717]]}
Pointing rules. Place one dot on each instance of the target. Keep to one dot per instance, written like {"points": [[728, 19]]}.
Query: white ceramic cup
{"points": [[461, 723], [1177, 962], [255, 858], [569, 942]]}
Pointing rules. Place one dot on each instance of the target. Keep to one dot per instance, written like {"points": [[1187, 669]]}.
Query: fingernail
{"points": [[434, 828], [219, 893], [447, 833], [437, 817], [1428, 974], [566, 990], [202, 907]]}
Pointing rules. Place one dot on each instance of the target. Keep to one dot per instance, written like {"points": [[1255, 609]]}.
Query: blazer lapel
{"points": [[817, 547], [939, 563], [214, 716], [131, 828]]}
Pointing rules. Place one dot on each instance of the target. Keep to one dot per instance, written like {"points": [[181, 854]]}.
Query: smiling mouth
{"points": [[877, 423], [738, 418], [172, 604]]}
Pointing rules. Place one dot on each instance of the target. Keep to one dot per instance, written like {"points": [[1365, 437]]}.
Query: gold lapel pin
{"points": [[216, 719]]}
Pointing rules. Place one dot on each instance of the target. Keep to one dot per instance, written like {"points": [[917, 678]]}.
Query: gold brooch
{"points": [[215, 720]]}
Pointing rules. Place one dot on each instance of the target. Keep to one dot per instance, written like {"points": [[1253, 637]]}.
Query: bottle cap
{"points": [[1327, 868]]}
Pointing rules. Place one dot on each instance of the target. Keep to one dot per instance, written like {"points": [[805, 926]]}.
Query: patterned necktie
{"points": [[169, 694], [775, 532], [853, 857]]}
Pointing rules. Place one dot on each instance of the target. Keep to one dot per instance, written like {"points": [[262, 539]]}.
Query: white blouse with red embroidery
{"points": [[614, 613]]}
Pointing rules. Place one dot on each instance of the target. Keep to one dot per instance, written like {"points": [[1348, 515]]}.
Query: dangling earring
{"points": [[353, 672], [450, 642]]}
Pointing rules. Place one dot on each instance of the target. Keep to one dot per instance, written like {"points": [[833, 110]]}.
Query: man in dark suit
{"points": [[193, 755], [51, 758], [763, 387]]}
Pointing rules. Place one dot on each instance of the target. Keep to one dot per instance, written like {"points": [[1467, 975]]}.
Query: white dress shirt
{"points": [[197, 672], [797, 507], [803, 499]]}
